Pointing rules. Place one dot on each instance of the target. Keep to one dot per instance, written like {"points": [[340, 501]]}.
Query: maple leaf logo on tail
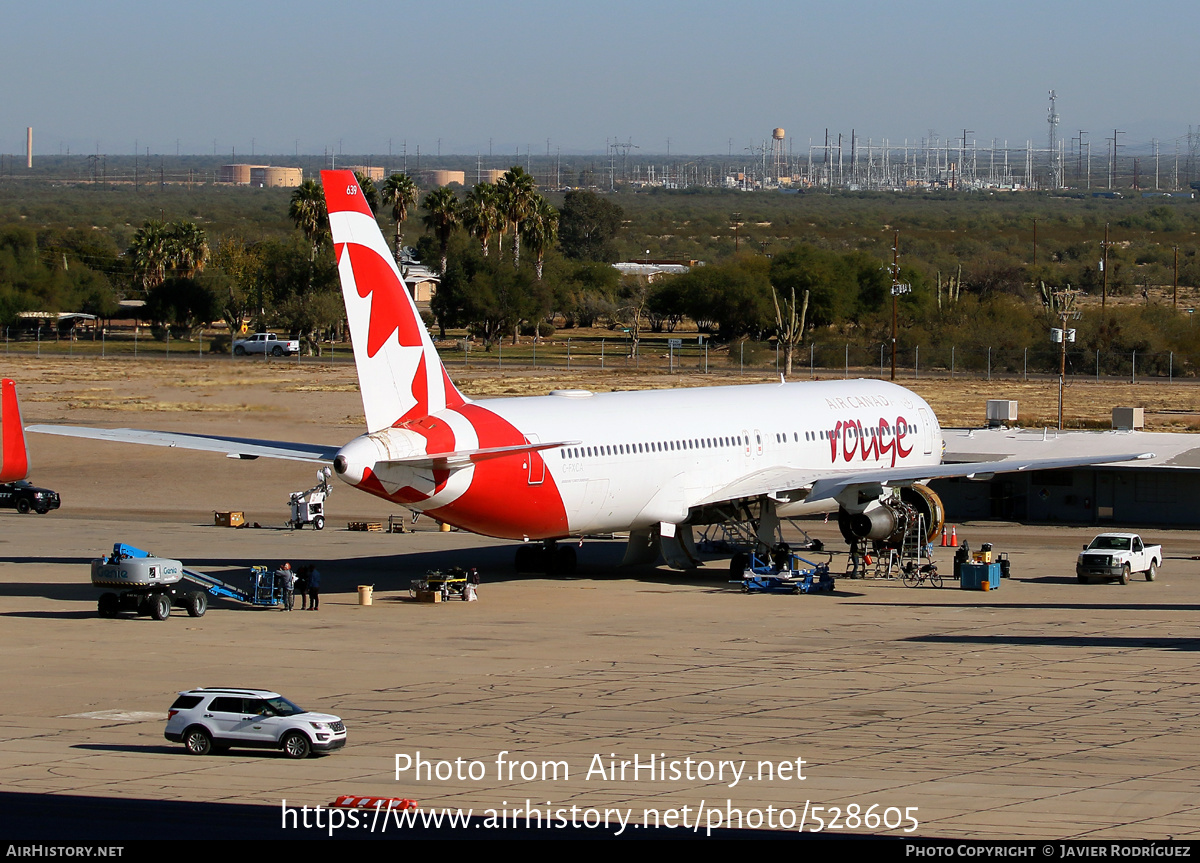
{"points": [[399, 372], [373, 277]]}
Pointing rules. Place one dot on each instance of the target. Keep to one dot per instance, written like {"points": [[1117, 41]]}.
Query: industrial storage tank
{"points": [[444, 178], [238, 174], [271, 177]]}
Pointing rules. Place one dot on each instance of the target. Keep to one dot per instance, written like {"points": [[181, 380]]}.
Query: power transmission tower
{"points": [[624, 149], [1079, 168], [962, 156], [1055, 162], [1112, 177]]}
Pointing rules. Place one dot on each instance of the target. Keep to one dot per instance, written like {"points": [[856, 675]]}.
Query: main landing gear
{"points": [[549, 558]]}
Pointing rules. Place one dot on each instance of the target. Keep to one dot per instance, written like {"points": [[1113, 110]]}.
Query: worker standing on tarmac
{"points": [[314, 588], [302, 585], [288, 585]]}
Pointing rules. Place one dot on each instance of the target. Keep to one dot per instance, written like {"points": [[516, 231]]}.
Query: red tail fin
{"points": [[399, 371], [14, 459]]}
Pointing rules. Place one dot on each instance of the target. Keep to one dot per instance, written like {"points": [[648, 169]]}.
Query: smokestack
{"points": [[29, 146]]}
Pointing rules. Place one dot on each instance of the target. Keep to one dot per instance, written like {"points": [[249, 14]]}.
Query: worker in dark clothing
{"points": [[314, 588], [302, 586]]}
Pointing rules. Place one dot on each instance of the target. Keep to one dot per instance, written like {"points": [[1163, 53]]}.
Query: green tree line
{"points": [[514, 260]]}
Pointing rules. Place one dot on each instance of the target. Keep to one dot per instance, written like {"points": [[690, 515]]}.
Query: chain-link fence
{"points": [[685, 354], [813, 359]]}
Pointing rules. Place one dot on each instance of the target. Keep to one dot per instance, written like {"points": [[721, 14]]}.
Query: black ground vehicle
{"points": [[24, 497]]}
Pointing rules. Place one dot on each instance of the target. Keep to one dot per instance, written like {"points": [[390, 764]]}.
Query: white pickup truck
{"points": [[266, 343], [1116, 556]]}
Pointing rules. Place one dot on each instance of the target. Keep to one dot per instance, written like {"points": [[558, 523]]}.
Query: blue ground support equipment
{"points": [[264, 588], [786, 573], [149, 585], [980, 576], [152, 585]]}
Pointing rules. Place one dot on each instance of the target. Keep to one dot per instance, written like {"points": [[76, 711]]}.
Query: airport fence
{"points": [[815, 359], [664, 354]]}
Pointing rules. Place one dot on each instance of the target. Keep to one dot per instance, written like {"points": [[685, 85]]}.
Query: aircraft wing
{"points": [[791, 484], [250, 448], [232, 447]]}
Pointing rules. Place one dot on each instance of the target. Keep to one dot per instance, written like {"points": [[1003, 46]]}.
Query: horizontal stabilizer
{"points": [[468, 457], [233, 447]]}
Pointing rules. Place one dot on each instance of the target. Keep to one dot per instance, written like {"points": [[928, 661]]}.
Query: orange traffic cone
{"points": [[953, 536], [944, 543]]}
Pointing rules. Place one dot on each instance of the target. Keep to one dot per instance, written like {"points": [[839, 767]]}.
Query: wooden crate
{"points": [[229, 519], [364, 525]]}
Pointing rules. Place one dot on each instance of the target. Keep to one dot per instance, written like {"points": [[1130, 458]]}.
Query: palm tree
{"points": [[188, 248], [481, 213], [178, 248], [540, 230], [400, 192], [370, 193], [517, 192], [307, 210], [150, 254], [441, 217]]}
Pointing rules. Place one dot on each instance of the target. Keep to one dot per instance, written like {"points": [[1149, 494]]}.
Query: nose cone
{"points": [[354, 459]]}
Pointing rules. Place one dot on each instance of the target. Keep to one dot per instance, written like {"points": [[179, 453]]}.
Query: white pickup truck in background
{"points": [[1116, 556], [266, 343]]}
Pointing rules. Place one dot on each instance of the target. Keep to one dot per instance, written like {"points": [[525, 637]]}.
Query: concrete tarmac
{"points": [[1045, 710]]}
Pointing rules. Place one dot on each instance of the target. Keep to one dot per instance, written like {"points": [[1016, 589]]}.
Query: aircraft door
{"points": [[758, 443], [927, 427], [746, 439], [535, 463]]}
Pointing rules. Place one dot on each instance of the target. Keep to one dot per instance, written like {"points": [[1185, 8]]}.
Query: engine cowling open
{"points": [[887, 520]]}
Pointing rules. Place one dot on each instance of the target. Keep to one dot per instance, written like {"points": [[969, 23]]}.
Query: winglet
{"points": [[399, 372], [14, 458]]}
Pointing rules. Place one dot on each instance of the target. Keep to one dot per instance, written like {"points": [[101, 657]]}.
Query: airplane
{"points": [[555, 468]]}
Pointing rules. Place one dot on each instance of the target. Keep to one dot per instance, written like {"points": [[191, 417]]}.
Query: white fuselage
{"points": [[648, 457]]}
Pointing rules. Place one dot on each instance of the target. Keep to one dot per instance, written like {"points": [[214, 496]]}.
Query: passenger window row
{"points": [[854, 432], [720, 442], [653, 447]]}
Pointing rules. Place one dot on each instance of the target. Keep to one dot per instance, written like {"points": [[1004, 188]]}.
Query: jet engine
{"points": [[886, 520]]}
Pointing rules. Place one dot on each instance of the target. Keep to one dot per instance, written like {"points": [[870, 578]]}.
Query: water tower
{"points": [[779, 165]]}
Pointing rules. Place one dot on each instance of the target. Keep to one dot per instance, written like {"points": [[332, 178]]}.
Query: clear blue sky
{"points": [[354, 74]]}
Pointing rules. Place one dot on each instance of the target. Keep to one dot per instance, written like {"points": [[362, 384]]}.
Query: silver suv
{"points": [[212, 719]]}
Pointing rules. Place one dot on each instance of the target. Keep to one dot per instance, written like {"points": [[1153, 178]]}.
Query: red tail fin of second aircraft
{"points": [[14, 459], [399, 372]]}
